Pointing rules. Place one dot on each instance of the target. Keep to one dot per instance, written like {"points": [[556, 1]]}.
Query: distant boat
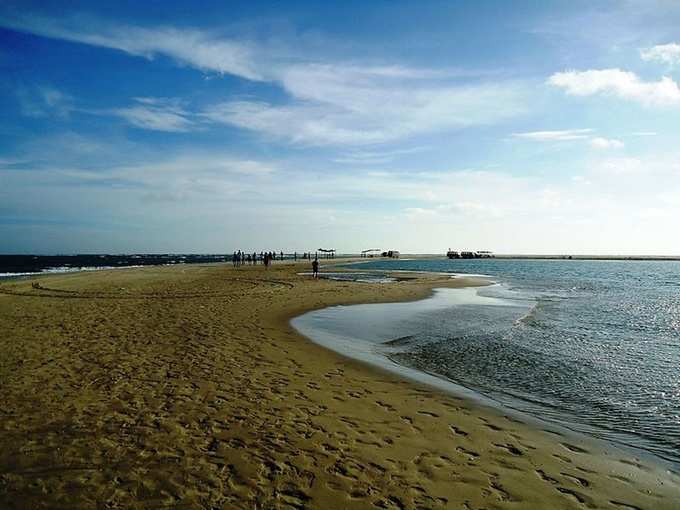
{"points": [[482, 254], [452, 254]]}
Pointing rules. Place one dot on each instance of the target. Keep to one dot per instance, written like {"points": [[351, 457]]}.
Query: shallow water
{"points": [[591, 344]]}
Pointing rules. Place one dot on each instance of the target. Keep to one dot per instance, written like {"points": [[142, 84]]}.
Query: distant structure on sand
{"points": [[481, 254], [393, 254], [373, 252], [326, 253]]}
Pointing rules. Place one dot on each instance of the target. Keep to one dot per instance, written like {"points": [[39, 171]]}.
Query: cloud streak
{"points": [[156, 114], [195, 48], [340, 112], [555, 136]]}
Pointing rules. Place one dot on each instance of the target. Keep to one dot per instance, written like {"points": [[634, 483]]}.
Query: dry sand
{"points": [[185, 387]]}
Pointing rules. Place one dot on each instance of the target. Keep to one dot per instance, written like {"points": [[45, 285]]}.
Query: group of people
{"points": [[241, 258]]}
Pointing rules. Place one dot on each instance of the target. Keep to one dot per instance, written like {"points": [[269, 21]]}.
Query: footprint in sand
{"points": [[562, 458], [385, 406], [574, 448], [546, 478], [510, 448], [634, 464], [581, 481], [470, 453], [457, 431], [584, 500], [625, 505]]}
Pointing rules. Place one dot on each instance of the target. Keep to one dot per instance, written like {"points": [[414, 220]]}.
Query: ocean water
{"points": [[12, 266], [593, 345]]}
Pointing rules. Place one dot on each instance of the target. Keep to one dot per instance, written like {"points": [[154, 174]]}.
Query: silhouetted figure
{"points": [[315, 268], [233, 259]]}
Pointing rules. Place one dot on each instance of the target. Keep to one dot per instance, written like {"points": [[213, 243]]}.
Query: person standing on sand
{"points": [[315, 268]]}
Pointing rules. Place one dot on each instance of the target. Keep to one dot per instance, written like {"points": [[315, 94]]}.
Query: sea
{"points": [[591, 345], [12, 266]]}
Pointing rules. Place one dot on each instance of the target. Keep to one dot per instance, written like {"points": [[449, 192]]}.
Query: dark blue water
{"points": [[23, 265], [598, 347]]}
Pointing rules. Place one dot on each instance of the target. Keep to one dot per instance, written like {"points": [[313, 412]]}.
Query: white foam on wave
{"points": [[8, 275], [66, 269]]}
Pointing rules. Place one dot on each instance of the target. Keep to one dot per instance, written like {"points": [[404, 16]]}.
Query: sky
{"points": [[545, 127]]}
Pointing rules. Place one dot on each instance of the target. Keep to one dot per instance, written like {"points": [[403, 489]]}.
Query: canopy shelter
{"points": [[329, 254], [370, 253]]}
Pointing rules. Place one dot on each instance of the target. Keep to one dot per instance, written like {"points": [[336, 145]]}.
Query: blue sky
{"points": [[519, 127]]}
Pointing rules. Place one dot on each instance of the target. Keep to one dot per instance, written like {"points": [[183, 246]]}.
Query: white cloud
{"points": [[615, 82], [606, 143], [208, 198], [665, 53], [156, 114], [567, 135], [195, 48], [555, 136], [334, 103], [335, 108]]}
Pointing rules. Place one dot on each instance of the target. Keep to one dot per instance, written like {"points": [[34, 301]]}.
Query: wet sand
{"points": [[186, 387]]}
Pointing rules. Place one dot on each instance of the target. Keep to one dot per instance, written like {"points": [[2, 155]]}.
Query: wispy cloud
{"points": [[668, 54], [195, 48], [44, 101], [156, 114], [11, 162], [555, 136], [618, 83], [368, 157], [568, 135], [340, 111], [329, 104]]}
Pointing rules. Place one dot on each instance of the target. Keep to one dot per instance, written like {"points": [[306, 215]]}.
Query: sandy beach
{"points": [[186, 387]]}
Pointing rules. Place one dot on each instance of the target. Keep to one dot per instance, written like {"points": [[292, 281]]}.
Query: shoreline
{"points": [[188, 386], [505, 404]]}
